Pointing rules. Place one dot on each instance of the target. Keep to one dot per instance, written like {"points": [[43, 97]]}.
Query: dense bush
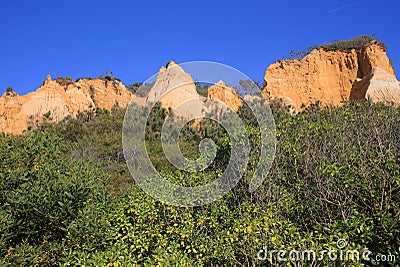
{"points": [[343, 162], [336, 175], [202, 88], [144, 88], [134, 87], [41, 193], [64, 81], [355, 43]]}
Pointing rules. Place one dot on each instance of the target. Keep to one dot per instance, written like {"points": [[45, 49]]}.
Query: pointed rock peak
{"points": [[174, 87], [48, 79], [170, 64], [173, 68]]}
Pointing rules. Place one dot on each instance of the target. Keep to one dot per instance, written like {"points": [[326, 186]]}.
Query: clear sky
{"points": [[134, 38]]}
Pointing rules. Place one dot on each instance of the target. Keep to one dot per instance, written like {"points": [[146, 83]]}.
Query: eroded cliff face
{"points": [[224, 93], [332, 77], [175, 89], [54, 101]]}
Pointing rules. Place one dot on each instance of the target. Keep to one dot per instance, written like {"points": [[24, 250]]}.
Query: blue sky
{"points": [[134, 38]]}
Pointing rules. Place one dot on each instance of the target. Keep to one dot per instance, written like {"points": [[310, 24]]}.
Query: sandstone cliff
{"points": [[175, 89], [378, 86], [55, 100], [333, 77], [224, 93]]}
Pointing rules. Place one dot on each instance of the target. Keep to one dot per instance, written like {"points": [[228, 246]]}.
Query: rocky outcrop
{"points": [[175, 89], [333, 77], [56, 99], [378, 86], [224, 93]]}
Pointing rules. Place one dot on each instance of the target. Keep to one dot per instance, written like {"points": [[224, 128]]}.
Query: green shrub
{"points": [[335, 176], [202, 88], [356, 43], [41, 192], [134, 87], [338, 162], [64, 81]]}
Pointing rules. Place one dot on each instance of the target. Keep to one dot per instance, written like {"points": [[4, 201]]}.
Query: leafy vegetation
{"points": [[202, 88], [134, 87], [144, 88], [64, 81], [41, 194], [355, 43], [67, 197]]}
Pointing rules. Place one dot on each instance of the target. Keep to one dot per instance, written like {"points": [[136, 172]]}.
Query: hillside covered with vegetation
{"points": [[67, 197]]}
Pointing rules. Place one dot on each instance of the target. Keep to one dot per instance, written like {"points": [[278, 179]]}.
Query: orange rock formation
{"points": [[175, 89], [224, 93], [56, 100], [333, 77]]}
